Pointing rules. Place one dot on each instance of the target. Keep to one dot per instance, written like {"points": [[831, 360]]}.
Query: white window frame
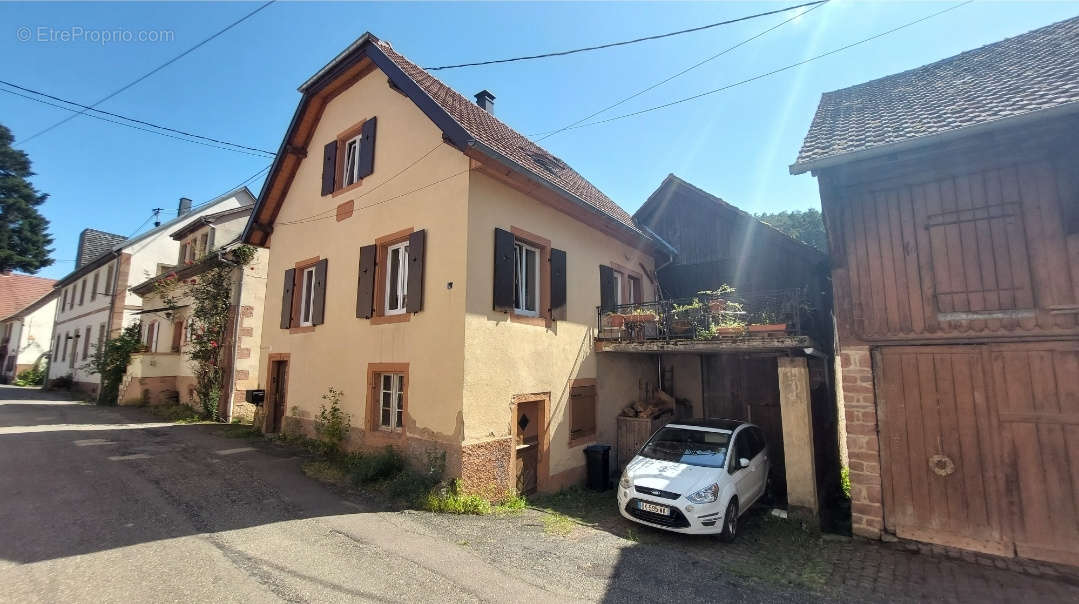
{"points": [[617, 288], [401, 287], [351, 161], [307, 297], [396, 402], [520, 255], [633, 283], [152, 330]]}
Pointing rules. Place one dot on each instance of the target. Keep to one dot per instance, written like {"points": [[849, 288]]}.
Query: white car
{"points": [[685, 478]]}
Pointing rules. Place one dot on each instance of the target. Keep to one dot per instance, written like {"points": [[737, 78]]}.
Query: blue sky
{"points": [[242, 87]]}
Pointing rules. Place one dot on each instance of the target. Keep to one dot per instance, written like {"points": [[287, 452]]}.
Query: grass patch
{"points": [[240, 431], [326, 472], [558, 524], [177, 412], [580, 504]]}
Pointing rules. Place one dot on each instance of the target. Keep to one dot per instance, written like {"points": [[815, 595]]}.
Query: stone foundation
{"points": [[485, 467], [863, 447]]}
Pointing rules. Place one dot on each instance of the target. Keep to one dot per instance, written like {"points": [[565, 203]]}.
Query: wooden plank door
{"points": [[527, 454], [940, 479], [278, 393], [1037, 389]]}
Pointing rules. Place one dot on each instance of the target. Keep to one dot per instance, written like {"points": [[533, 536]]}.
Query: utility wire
{"points": [[119, 123], [625, 42], [131, 119], [149, 73], [774, 71], [812, 8]]}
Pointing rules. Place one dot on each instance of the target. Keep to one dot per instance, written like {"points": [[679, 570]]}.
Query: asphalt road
{"points": [[107, 505]]}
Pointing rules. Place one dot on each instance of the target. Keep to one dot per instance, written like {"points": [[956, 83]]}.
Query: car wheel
{"points": [[730, 522]]}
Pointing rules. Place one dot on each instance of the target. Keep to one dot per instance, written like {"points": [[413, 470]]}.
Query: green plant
{"points": [[512, 503], [110, 361], [177, 412], [34, 376], [555, 523], [380, 465], [722, 290], [332, 424], [844, 481], [64, 382], [450, 499]]}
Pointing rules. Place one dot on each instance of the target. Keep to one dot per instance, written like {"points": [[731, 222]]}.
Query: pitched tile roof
{"points": [[492, 132], [1034, 71], [19, 291]]}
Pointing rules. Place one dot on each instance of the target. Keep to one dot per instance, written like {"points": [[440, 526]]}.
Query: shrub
{"points": [[332, 424], [844, 481], [384, 464], [450, 499], [64, 382], [34, 376]]}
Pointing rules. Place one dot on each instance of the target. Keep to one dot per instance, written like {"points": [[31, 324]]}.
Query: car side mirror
{"points": [[743, 463]]}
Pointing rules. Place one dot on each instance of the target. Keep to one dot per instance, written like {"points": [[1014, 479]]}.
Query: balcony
{"points": [[708, 322]]}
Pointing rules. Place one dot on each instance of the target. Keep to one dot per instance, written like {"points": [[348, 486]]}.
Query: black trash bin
{"points": [[598, 460]]}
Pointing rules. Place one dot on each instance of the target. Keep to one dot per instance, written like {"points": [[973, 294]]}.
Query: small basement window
{"points": [[526, 278]]}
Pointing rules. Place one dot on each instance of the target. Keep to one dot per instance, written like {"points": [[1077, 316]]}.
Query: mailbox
{"points": [[256, 397]]}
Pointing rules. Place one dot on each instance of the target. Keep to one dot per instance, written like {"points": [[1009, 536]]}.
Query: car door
{"points": [[759, 462], [743, 478]]}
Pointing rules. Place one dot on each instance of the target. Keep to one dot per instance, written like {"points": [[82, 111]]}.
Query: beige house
{"points": [[444, 273], [94, 301], [164, 373]]}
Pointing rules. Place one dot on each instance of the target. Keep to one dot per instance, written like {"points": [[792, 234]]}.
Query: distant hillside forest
{"points": [[806, 226]]}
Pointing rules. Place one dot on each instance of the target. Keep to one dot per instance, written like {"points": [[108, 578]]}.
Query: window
{"points": [[188, 327], [75, 348], [352, 161], [100, 336], [82, 292], [391, 401], [63, 305], [202, 245], [396, 278], [634, 291], [86, 344], [56, 351], [582, 411], [691, 447], [618, 301], [108, 281], [63, 357], [526, 272], [151, 336], [307, 293]]}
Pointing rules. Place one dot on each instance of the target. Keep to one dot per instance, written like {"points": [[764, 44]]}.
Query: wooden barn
{"points": [[951, 199], [761, 352]]}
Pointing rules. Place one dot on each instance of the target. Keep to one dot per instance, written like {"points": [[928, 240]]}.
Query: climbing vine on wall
{"points": [[110, 361], [211, 294]]}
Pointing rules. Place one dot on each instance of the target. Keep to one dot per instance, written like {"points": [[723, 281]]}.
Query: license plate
{"points": [[655, 509]]}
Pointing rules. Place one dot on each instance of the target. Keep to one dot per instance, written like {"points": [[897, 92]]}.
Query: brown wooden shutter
{"points": [[558, 285], [177, 335], [286, 298], [503, 279], [318, 295], [607, 294], [417, 242], [365, 283], [329, 167], [367, 148]]}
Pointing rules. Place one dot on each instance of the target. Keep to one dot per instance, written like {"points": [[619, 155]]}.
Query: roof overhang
{"points": [[1031, 117]]}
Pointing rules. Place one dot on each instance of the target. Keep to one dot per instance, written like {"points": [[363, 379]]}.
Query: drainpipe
{"points": [[813, 352]]}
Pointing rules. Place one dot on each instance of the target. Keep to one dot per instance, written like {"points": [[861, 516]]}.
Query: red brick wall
{"points": [[863, 447]]}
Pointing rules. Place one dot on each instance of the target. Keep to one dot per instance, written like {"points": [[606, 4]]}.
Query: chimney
{"points": [[185, 206], [486, 101]]}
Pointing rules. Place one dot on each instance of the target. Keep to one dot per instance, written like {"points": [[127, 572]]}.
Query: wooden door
{"points": [[1037, 389], [940, 474], [278, 393], [529, 422]]}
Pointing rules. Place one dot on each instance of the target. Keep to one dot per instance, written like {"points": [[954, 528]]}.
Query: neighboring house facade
{"points": [[443, 275], [26, 304], [724, 362], [951, 199], [93, 301], [164, 373]]}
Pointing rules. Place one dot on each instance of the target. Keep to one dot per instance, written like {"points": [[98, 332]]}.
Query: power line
{"points": [[105, 119], [149, 73], [684, 71], [625, 42], [773, 72], [131, 119]]}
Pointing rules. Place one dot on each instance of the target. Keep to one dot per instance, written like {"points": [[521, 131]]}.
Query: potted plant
{"points": [[640, 315], [716, 302], [614, 319], [767, 323], [682, 316]]}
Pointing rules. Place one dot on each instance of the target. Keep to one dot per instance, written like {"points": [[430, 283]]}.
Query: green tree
{"points": [[24, 237], [806, 226]]}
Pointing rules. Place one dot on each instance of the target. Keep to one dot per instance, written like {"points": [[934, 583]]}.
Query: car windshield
{"points": [[691, 447]]}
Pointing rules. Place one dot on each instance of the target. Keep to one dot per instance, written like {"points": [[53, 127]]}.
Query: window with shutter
{"points": [[108, 281], [523, 276], [558, 285], [307, 295], [397, 283], [86, 344], [608, 296], [288, 288], [349, 159], [82, 291]]}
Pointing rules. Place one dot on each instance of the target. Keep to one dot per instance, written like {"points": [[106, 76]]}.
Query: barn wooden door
{"points": [[940, 466], [1037, 388]]}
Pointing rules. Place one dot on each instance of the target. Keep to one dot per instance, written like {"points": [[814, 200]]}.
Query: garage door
{"points": [[980, 446]]}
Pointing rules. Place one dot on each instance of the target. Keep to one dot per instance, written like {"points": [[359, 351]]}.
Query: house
{"points": [[721, 359], [93, 300], [442, 271], [163, 372], [951, 200], [26, 307]]}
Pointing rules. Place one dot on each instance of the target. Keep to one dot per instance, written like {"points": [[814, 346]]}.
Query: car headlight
{"points": [[624, 482], [708, 494]]}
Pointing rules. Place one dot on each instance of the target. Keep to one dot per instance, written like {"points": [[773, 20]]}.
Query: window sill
{"points": [[344, 190], [538, 321], [384, 319], [379, 437], [304, 329]]}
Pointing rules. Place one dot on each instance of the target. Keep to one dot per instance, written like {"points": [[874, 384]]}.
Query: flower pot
{"points": [[768, 328], [616, 320], [639, 318], [681, 326], [735, 330]]}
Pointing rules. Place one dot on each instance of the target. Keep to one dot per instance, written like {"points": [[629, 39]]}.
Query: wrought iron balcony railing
{"points": [[707, 316]]}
